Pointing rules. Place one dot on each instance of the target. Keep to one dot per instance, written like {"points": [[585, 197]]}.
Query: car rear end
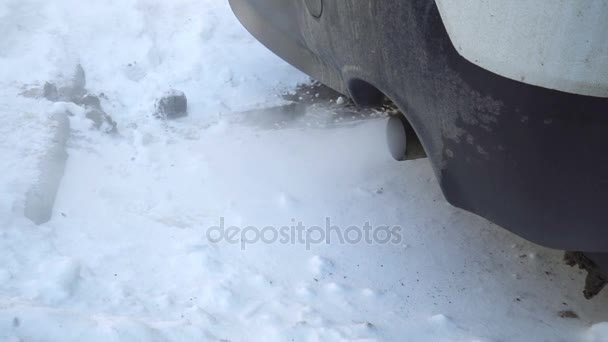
{"points": [[509, 99]]}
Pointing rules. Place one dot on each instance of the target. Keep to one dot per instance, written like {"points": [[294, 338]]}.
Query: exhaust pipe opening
{"points": [[402, 140]]}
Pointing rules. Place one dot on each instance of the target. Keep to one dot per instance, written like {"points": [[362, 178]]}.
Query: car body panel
{"points": [[560, 45]]}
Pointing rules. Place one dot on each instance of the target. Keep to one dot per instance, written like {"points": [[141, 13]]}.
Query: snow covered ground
{"points": [[126, 256]]}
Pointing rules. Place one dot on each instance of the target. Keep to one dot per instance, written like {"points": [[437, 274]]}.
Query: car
{"points": [[508, 99]]}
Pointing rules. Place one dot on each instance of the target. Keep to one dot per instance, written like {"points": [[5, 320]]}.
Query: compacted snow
{"points": [[126, 255]]}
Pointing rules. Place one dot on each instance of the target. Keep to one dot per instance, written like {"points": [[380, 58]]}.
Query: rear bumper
{"points": [[530, 159]]}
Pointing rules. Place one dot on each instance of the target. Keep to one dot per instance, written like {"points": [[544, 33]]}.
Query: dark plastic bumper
{"points": [[530, 159]]}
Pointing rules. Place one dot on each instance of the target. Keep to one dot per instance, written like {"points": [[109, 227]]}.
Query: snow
{"points": [[125, 255], [597, 332]]}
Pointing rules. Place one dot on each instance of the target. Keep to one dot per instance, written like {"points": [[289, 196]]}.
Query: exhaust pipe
{"points": [[402, 140]]}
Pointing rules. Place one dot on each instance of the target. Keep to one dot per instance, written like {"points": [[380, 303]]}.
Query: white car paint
{"points": [[561, 45]]}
